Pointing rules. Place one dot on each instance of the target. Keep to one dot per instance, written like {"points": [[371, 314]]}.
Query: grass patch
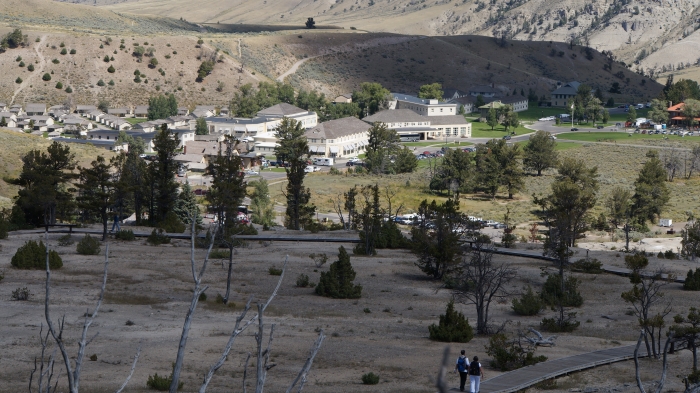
{"points": [[130, 298], [483, 130], [134, 120], [623, 136]]}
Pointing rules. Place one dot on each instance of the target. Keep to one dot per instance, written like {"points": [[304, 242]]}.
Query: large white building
{"points": [[425, 107], [407, 122], [346, 137], [266, 121]]}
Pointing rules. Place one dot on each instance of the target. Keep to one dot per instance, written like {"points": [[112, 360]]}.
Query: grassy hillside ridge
{"points": [[457, 61], [14, 145], [626, 29]]}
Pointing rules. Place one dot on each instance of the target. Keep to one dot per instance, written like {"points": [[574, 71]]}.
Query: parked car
{"points": [[251, 172], [506, 137], [354, 159], [599, 127], [574, 129], [311, 168]]}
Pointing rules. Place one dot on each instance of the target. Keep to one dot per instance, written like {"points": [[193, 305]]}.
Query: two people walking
{"points": [[472, 369]]}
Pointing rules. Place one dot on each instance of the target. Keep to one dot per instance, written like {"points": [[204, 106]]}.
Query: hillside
{"points": [[625, 27], [339, 62], [15, 145]]}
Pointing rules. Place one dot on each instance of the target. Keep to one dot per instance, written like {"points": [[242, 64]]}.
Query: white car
{"points": [[354, 159], [310, 168], [251, 172]]}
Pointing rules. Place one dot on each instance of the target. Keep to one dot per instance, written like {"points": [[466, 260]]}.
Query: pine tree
{"points": [[166, 146], [539, 152], [186, 205], [492, 118], [337, 283], [453, 327], [650, 192], [95, 191], [262, 209]]}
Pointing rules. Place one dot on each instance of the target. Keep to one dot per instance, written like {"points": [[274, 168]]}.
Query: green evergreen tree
{"points": [[438, 249], [492, 118], [95, 191], [337, 283], [186, 205], [431, 91], [540, 153], [453, 327], [650, 192], [161, 106], [293, 149], [262, 208], [228, 187], [201, 127], [383, 144], [406, 161], [372, 97], [164, 169]]}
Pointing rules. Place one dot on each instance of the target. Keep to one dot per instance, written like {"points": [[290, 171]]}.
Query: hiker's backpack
{"points": [[474, 368], [462, 364]]}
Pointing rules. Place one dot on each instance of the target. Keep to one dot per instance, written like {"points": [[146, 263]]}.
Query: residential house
{"points": [[55, 128], [115, 122], [36, 110], [265, 142], [40, 123], [238, 127], [276, 113], [210, 149], [183, 111], [111, 145], [17, 110], [423, 106], [120, 112], [676, 116], [465, 103], [519, 103], [194, 162], [74, 123], [141, 111], [485, 91], [561, 95], [83, 109], [224, 111], [343, 99], [10, 119], [451, 94], [338, 138], [103, 134], [204, 111], [3, 107], [95, 115]]}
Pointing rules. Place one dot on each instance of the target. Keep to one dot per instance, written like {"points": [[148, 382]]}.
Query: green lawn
{"points": [[133, 120], [559, 146], [483, 130]]}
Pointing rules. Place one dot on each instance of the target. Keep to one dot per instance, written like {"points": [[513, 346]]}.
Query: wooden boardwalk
{"points": [[525, 377]]}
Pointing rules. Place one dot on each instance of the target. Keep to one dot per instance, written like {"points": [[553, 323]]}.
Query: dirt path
{"points": [[295, 67], [38, 71]]}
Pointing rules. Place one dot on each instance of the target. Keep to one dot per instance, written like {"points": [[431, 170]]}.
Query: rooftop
{"points": [[333, 129], [448, 120], [281, 110], [396, 116]]}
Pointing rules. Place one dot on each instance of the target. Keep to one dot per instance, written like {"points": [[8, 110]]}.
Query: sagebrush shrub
{"points": [[65, 240], [157, 238], [162, 384], [303, 280], [32, 255], [453, 327], [370, 378], [125, 234], [569, 324], [552, 295], [21, 294], [692, 280], [274, 271], [509, 355], [88, 245], [588, 265]]}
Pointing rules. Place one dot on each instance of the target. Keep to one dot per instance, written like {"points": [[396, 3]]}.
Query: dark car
{"points": [[574, 129], [600, 127], [507, 137]]}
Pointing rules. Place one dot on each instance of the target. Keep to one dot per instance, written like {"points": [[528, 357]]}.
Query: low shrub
{"points": [[65, 240], [21, 294], [274, 271], [303, 281], [588, 265], [509, 355], [554, 325], [660, 255], [32, 255], [162, 384], [529, 303], [158, 237], [125, 234], [669, 254], [370, 378], [551, 292], [93, 357], [337, 283], [88, 245], [453, 327], [4, 223], [202, 297]]}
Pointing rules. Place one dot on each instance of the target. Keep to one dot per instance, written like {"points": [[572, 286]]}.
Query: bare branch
{"points": [[307, 365], [245, 371], [131, 373]]}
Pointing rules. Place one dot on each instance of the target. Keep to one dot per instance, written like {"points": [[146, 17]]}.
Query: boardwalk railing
{"points": [[525, 377]]}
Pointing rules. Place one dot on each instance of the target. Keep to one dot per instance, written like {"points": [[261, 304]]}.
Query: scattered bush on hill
{"points": [[32, 255], [88, 245]]}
